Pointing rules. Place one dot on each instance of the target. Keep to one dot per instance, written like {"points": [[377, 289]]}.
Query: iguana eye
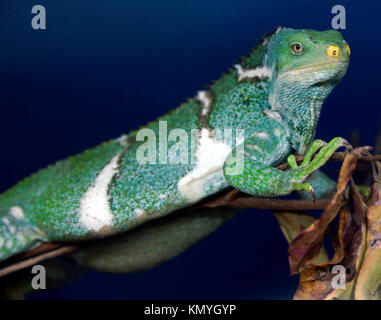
{"points": [[333, 51], [297, 48]]}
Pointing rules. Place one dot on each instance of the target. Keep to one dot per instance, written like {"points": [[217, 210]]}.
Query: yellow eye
{"points": [[333, 51], [348, 50]]}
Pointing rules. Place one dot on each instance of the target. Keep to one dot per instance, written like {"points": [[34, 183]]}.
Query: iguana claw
{"points": [[298, 174]]}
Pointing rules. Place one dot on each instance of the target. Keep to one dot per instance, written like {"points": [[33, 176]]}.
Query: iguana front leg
{"points": [[257, 176]]}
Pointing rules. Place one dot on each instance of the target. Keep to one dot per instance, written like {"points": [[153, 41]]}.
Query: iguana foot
{"points": [[297, 175]]}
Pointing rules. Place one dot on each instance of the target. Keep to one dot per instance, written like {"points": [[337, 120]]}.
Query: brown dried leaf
{"points": [[293, 223], [316, 282], [305, 248], [368, 285]]}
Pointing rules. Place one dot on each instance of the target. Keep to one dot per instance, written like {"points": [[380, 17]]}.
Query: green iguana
{"points": [[233, 133]]}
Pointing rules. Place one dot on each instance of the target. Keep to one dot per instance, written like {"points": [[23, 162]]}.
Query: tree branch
{"points": [[230, 197]]}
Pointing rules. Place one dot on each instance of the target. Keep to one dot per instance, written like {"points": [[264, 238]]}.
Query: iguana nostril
{"points": [[333, 51]]}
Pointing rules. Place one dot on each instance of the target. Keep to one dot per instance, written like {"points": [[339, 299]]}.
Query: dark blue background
{"points": [[103, 68]]}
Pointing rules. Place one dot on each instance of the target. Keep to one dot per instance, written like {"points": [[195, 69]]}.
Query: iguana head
{"points": [[307, 56], [305, 66]]}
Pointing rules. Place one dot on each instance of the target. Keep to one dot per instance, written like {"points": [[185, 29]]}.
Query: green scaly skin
{"points": [[274, 95]]}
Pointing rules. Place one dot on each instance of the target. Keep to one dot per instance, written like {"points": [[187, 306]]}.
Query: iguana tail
{"points": [[16, 235]]}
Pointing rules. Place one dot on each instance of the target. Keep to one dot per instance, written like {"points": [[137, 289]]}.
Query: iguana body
{"points": [[271, 103]]}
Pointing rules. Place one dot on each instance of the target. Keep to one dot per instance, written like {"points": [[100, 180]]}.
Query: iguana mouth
{"points": [[314, 67]]}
